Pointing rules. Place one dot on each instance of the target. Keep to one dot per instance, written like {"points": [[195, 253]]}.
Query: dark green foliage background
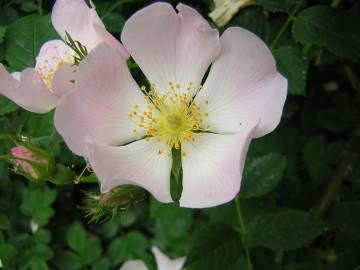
{"points": [[299, 206]]}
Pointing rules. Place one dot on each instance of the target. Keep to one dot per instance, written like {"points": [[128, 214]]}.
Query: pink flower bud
{"points": [[22, 156]]}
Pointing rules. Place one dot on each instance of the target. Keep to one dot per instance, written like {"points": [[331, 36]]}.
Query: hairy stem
{"points": [[243, 231]]}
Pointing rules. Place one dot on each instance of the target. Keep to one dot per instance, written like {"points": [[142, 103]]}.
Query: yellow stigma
{"points": [[172, 117]]}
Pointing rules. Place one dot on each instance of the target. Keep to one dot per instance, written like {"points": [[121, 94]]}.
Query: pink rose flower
{"points": [[39, 89], [128, 133]]}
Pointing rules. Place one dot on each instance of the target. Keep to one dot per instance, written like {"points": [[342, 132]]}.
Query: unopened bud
{"points": [[33, 163]]}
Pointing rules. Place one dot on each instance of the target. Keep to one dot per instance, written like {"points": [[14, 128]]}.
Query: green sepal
{"points": [[176, 176], [63, 176]]}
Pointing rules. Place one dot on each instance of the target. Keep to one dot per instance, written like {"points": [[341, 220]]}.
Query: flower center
{"points": [[49, 66], [172, 117]]}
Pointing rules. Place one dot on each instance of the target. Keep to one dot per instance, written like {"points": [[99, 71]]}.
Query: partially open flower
{"points": [[128, 132], [39, 89], [162, 262]]}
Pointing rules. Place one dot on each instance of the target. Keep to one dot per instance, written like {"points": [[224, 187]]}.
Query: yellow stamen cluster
{"points": [[49, 67], [172, 117]]}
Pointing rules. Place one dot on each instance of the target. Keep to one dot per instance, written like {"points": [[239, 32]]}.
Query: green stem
{"points": [[40, 7], [243, 231], [285, 25], [113, 7], [331, 191]]}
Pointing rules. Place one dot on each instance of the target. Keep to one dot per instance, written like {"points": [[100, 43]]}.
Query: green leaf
{"points": [[29, 7], [7, 106], [130, 246], [24, 39], [7, 251], [76, 237], [67, 260], [283, 230], [277, 5], [327, 27], [114, 22], [42, 236], [315, 158], [214, 247], [4, 222], [254, 20], [37, 204], [8, 15], [37, 263], [172, 225], [92, 250], [293, 65], [102, 264], [40, 125], [262, 174]]}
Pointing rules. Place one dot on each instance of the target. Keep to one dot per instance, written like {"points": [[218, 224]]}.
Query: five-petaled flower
{"points": [[128, 133], [39, 89]]}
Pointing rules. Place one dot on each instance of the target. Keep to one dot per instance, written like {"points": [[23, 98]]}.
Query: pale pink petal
{"points": [[137, 163], [83, 24], [134, 265], [104, 96], [170, 47], [29, 93], [52, 56], [212, 168], [197, 46], [243, 85], [64, 80], [164, 263]]}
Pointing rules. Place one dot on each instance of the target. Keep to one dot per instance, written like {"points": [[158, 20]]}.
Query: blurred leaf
{"points": [[114, 22], [130, 246], [172, 225], [41, 251], [7, 106], [262, 174], [37, 263], [40, 125], [8, 15], [214, 247], [76, 237], [101, 264], [283, 230], [333, 29], [277, 6], [42, 236], [315, 158], [254, 20], [293, 66], [24, 39], [92, 250], [67, 260], [345, 221], [2, 33], [29, 7], [6, 251], [4, 222], [37, 204]]}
